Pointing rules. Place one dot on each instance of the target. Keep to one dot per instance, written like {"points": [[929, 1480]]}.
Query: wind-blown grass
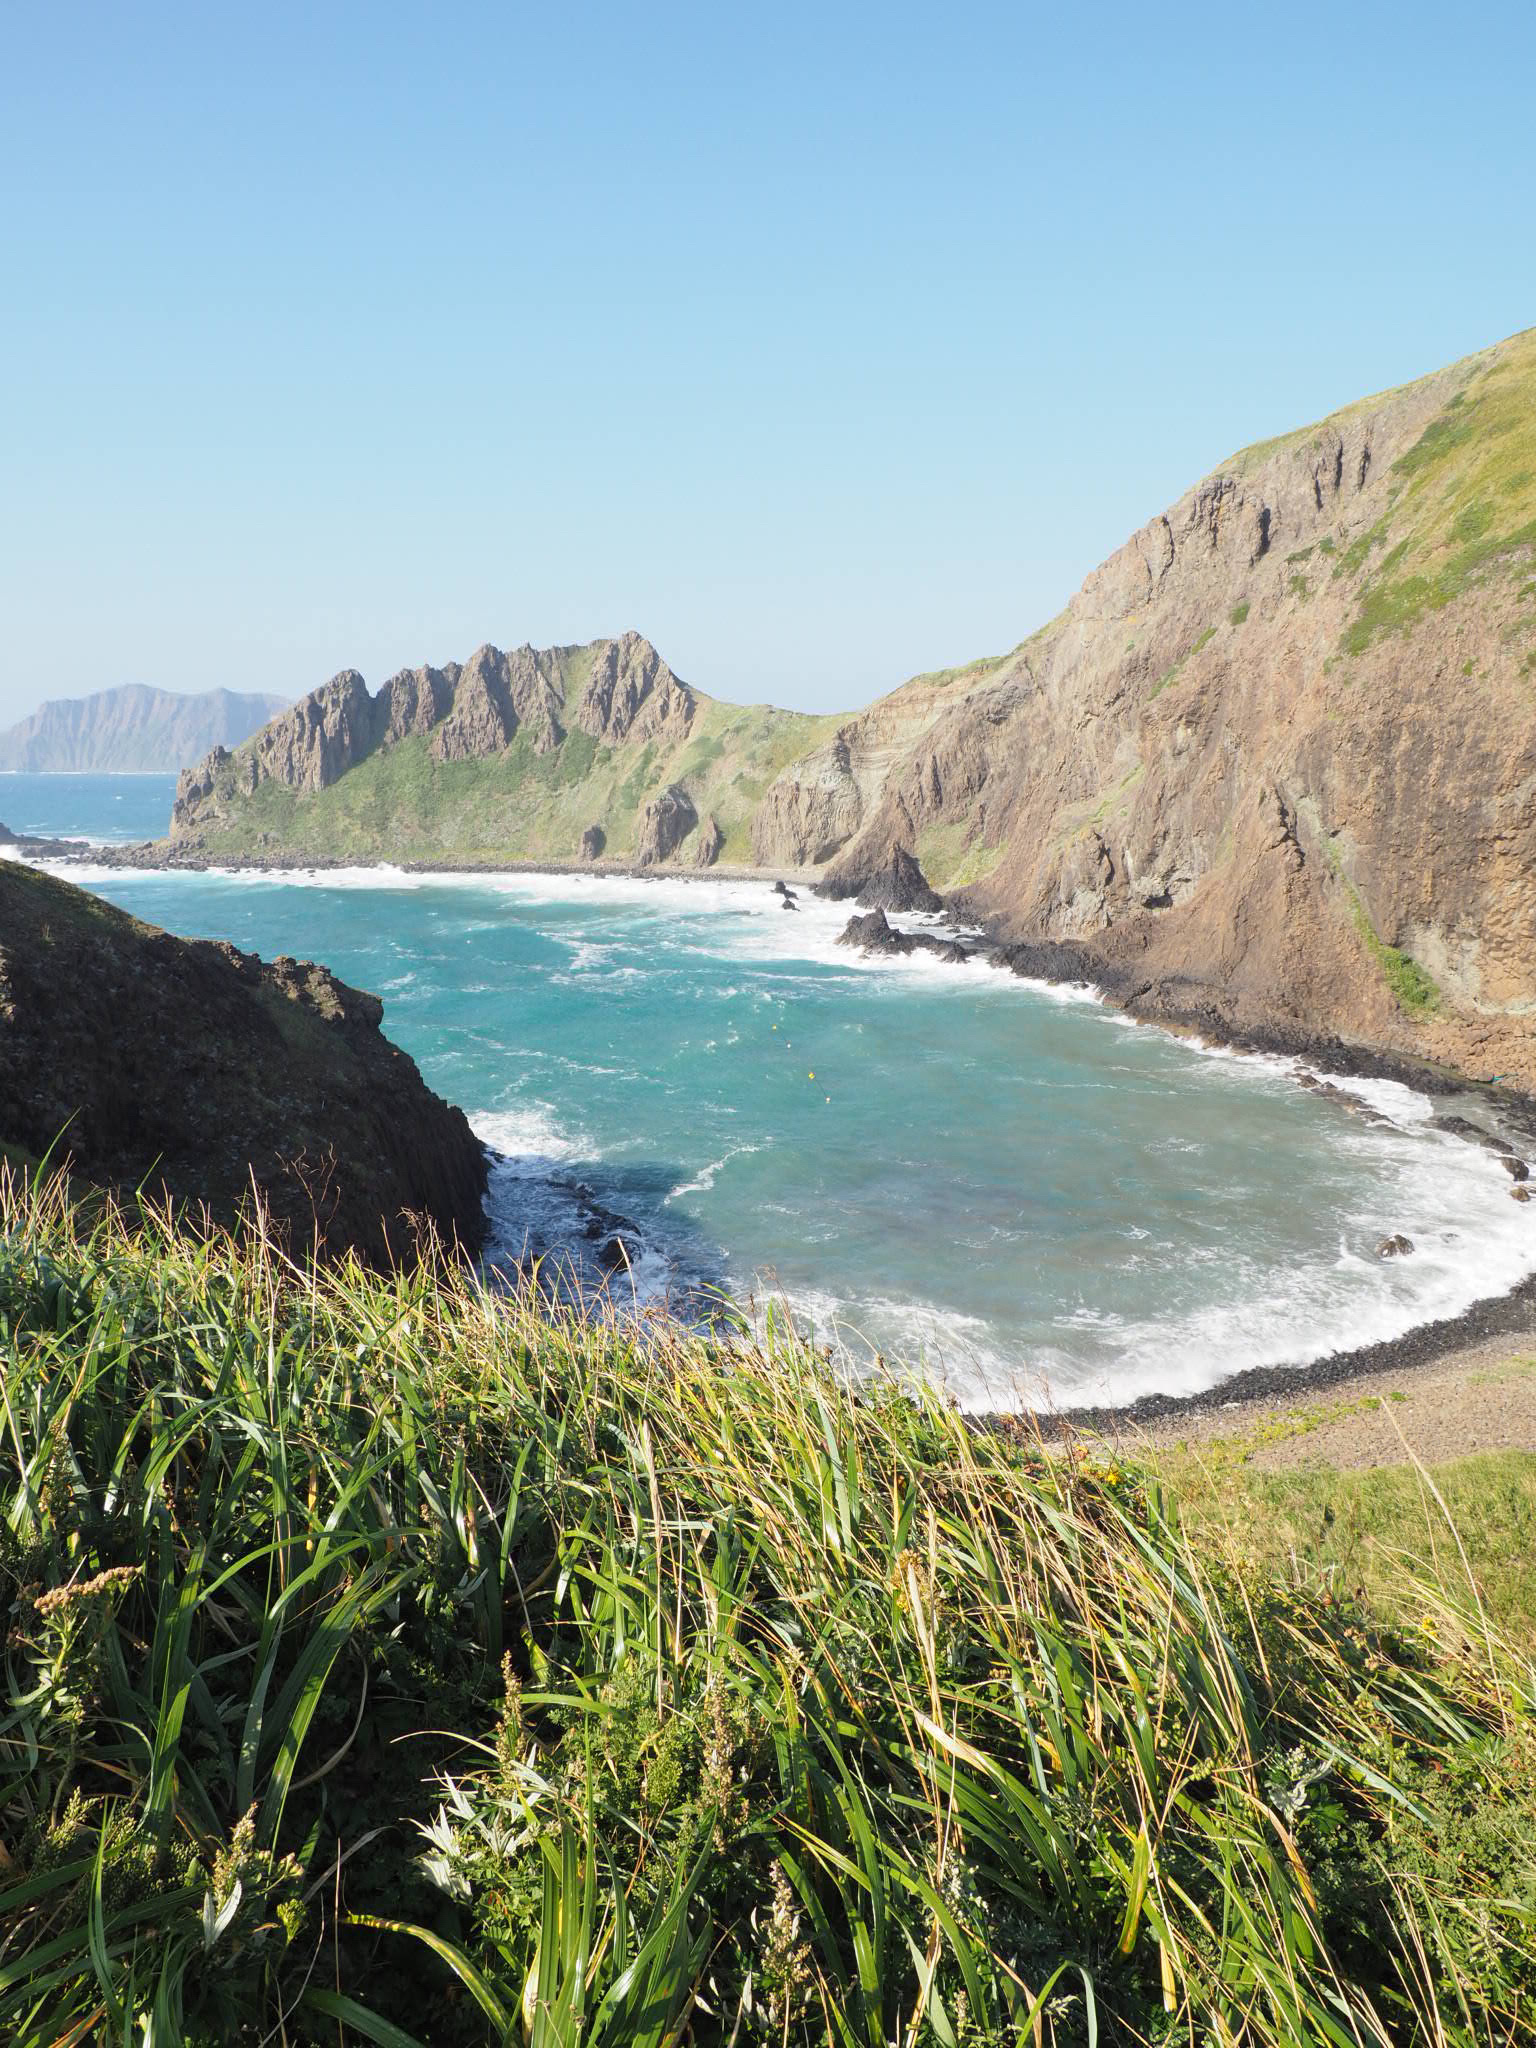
{"points": [[386, 1661]]}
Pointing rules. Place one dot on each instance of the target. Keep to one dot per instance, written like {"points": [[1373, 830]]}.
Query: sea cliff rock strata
{"points": [[192, 1068], [1271, 775]]}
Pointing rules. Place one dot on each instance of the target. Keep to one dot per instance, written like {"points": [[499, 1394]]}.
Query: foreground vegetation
{"points": [[385, 1663]]}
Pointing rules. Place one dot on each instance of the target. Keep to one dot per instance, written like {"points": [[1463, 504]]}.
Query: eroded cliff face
{"points": [[1275, 765], [615, 691], [194, 1069], [1272, 771]]}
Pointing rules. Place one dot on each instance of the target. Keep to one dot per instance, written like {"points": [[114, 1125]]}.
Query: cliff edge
{"points": [[193, 1068]]}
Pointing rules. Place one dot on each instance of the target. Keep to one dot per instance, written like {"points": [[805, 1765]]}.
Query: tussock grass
{"points": [[389, 1662]]}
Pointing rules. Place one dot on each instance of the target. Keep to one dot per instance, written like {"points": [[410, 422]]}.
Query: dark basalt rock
{"points": [[593, 840], [874, 933], [782, 888], [1394, 1247], [617, 1252], [201, 1073], [1515, 1168], [900, 885], [1462, 1127]]}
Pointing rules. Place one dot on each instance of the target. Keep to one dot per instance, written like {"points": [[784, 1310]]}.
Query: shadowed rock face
{"points": [[665, 823], [197, 1069], [708, 845]]}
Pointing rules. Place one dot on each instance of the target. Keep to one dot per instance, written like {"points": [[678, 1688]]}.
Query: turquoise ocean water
{"points": [[1011, 1183]]}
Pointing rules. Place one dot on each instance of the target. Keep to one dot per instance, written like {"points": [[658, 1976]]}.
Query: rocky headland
{"points": [[1271, 775], [132, 730], [194, 1070]]}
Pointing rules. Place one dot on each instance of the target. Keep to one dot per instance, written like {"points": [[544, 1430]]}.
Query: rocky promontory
{"points": [[1270, 775], [192, 1069]]}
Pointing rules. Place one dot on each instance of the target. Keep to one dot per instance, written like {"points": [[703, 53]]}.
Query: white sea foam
{"points": [[706, 1176], [1470, 1241]]}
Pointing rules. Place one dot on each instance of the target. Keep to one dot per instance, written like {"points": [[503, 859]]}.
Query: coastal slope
{"points": [[131, 730], [1270, 774], [563, 753], [193, 1069]]}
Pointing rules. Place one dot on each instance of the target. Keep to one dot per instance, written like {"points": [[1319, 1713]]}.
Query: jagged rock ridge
{"points": [[614, 691]]}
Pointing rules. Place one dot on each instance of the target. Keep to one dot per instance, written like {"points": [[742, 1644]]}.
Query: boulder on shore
{"points": [[665, 823], [711, 839], [593, 840], [874, 933], [1394, 1247]]}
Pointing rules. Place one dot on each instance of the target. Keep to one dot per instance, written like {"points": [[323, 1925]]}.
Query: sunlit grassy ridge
{"points": [[401, 803], [385, 1661], [1462, 510]]}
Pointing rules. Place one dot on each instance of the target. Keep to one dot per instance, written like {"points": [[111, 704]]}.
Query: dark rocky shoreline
{"points": [[1073, 962]]}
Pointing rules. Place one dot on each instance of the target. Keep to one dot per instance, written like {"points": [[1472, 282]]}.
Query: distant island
{"points": [[132, 730]]}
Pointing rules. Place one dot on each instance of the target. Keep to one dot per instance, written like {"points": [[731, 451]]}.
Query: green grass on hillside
{"points": [[401, 803], [1466, 511], [388, 1663], [1380, 1534], [1413, 987]]}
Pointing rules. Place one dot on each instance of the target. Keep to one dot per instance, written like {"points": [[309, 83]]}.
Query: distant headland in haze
{"points": [[132, 730]]}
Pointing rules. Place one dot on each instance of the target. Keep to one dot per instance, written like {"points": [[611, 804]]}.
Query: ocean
{"points": [[1006, 1184]]}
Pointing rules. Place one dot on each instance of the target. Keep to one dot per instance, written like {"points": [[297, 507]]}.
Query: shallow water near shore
{"points": [[1009, 1183]]}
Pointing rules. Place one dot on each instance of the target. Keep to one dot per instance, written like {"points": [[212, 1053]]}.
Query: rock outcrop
{"points": [[1270, 775], [593, 840], [195, 1069], [874, 933], [898, 884], [665, 823], [710, 840], [632, 694]]}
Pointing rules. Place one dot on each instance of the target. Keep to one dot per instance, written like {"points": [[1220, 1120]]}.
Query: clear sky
{"points": [[823, 344]]}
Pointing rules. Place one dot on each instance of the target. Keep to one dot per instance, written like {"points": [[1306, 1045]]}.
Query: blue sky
{"points": [[821, 344]]}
